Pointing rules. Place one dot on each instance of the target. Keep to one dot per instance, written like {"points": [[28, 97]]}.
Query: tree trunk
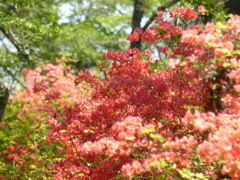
{"points": [[233, 6], [136, 20], [4, 94]]}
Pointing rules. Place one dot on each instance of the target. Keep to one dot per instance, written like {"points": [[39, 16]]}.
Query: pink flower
{"points": [[202, 10], [147, 53], [160, 14], [24, 71], [234, 23]]}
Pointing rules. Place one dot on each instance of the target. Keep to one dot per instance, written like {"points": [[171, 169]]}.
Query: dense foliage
{"points": [[141, 122]]}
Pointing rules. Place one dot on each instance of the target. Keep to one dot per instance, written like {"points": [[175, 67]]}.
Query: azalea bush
{"points": [[142, 122], [24, 151]]}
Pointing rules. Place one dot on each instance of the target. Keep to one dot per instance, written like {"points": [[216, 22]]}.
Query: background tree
{"points": [[24, 26], [233, 6]]}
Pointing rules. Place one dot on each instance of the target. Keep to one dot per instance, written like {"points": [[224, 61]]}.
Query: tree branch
{"points": [[4, 94], [15, 42], [8, 71]]}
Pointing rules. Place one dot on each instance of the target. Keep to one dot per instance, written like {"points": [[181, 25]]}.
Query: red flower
{"points": [[135, 36], [39, 86]]}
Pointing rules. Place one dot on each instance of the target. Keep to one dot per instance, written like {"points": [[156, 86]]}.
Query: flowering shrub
{"points": [[146, 123], [24, 151]]}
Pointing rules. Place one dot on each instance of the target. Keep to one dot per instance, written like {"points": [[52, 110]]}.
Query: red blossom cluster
{"points": [[186, 13], [53, 82], [27, 149], [142, 123], [16, 152], [135, 35]]}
